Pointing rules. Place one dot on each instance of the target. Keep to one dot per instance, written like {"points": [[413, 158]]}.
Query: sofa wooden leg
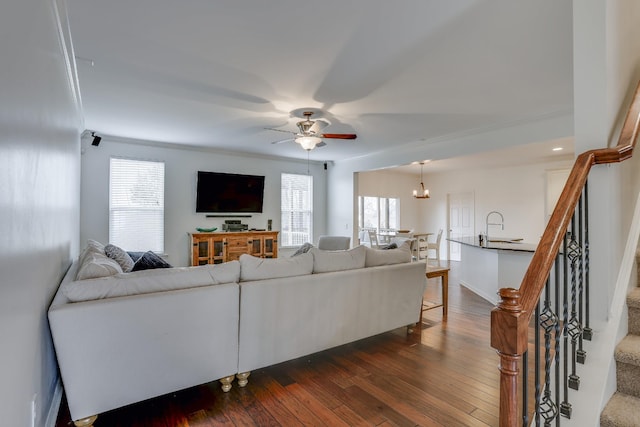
{"points": [[226, 382], [85, 422], [242, 378]]}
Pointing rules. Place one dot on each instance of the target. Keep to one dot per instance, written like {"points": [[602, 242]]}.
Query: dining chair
{"points": [[435, 245], [373, 239]]}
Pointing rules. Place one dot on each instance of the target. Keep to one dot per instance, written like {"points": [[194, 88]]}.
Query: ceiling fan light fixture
{"points": [[308, 142]]}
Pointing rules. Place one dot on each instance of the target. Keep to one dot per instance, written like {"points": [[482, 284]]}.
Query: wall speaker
{"points": [[96, 139]]}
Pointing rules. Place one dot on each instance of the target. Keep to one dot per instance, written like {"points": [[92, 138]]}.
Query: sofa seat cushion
{"points": [[376, 257], [148, 281], [326, 261], [254, 268]]}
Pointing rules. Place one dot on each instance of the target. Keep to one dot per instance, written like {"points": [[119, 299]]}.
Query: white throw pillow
{"points": [[95, 264], [94, 247], [326, 261], [399, 255], [149, 281], [253, 268]]}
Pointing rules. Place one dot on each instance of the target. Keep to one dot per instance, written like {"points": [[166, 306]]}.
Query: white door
{"points": [[461, 220]]}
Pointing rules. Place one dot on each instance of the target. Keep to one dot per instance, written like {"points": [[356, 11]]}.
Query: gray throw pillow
{"points": [[120, 256], [303, 249]]}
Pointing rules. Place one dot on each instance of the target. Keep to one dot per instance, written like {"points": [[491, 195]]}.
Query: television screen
{"points": [[229, 193]]}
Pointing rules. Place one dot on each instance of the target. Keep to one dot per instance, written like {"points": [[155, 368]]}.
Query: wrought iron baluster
{"points": [[537, 364], [565, 406], [581, 354], [587, 333], [556, 333], [525, 392], [574, 328], [549, 321]]}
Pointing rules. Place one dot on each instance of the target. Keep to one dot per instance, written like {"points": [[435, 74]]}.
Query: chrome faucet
{"points": [[501, 224]]}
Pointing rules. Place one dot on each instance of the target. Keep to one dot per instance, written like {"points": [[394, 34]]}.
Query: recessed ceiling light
{"points": [[557, 149]]}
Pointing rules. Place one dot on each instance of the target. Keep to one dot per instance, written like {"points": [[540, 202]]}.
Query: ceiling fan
{"points": [[309, 135]]}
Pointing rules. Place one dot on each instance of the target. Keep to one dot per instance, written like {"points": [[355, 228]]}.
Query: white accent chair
{"points": [[334, 243]]}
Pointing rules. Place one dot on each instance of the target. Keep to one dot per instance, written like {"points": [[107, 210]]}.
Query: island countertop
{"points": [[500, 243]]}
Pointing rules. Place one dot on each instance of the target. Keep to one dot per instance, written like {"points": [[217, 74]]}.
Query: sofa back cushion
{"points": [[375, 257], [253, 268], [326, 261], [148, 281]]}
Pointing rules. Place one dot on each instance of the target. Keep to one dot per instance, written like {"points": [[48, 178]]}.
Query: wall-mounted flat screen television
{"points": [[218, 192]]}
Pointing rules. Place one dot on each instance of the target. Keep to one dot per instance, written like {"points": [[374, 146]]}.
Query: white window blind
{"points": [[296, 208], [136, 205]]}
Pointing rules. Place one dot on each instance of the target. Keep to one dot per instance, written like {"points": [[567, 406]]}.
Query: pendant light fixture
{"points": [[422, 193]]}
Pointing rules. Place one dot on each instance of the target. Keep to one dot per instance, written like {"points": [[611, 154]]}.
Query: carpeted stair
{"points": [[623, 410]]}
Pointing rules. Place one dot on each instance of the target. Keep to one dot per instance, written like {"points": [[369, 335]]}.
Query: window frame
{"points": [[118, 206], [382, 205], [286, 238]]}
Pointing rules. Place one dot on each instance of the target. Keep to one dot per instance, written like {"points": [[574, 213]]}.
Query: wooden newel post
{"points": [[509, 338]]}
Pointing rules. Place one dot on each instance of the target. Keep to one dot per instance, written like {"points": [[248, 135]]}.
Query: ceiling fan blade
{"points": [[280, 130], [321, 144], [317, 126], [282, 140], [339, 135]]}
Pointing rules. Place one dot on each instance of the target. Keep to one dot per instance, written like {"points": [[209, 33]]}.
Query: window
{"points": [[136, 205], [296, 208], [378, 213]]}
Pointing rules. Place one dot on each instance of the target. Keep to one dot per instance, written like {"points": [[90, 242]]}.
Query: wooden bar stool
{"points": [[443, 273]]}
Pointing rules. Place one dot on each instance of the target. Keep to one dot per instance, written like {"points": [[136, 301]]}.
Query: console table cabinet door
{"points": [[219, 247], [208, 250], [269, 247]]}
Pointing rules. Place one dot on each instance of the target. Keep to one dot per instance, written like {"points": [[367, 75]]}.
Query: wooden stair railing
{"points": [[510, 319]]}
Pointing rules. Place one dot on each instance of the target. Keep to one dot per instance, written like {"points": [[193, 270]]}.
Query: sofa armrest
{"points": [[117, 351]]}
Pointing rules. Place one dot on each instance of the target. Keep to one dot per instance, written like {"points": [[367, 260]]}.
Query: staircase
{"points": [[623, 410]]}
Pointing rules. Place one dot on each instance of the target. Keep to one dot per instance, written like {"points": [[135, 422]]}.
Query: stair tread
{"points": [[628, 351], [633, 299], [621, 410]]}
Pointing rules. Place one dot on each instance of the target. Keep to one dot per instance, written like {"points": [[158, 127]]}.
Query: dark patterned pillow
{"points": [[120, 256], [148, 261], [303, 249], [135, 255], [390, 246]]}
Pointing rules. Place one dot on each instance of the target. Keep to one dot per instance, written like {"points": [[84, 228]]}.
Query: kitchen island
{"points": [[498, 263]]}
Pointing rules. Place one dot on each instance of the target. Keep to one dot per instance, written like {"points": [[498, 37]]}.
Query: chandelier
{"points": [[423, 193]]}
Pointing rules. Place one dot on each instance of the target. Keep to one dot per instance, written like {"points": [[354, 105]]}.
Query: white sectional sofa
{"points": [[128, 337]]}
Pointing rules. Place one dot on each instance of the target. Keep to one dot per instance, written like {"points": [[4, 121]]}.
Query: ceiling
{"points": [[217, 73]]}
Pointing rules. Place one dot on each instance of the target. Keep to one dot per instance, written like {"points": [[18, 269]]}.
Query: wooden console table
{"points": [[434, 271], [219, 247]]}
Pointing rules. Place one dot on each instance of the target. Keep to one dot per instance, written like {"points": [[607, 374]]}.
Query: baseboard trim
{"points": [[493, 299], [52, 413]]}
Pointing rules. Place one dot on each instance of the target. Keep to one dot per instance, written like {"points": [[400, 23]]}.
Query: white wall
{"points": [[606, 72], [39, 203], [343, 182], [387, 183], [181, 166], [518, 192]]}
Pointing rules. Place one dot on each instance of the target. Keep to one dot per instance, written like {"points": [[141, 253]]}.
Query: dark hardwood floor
{"points": [[444, 374]]}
